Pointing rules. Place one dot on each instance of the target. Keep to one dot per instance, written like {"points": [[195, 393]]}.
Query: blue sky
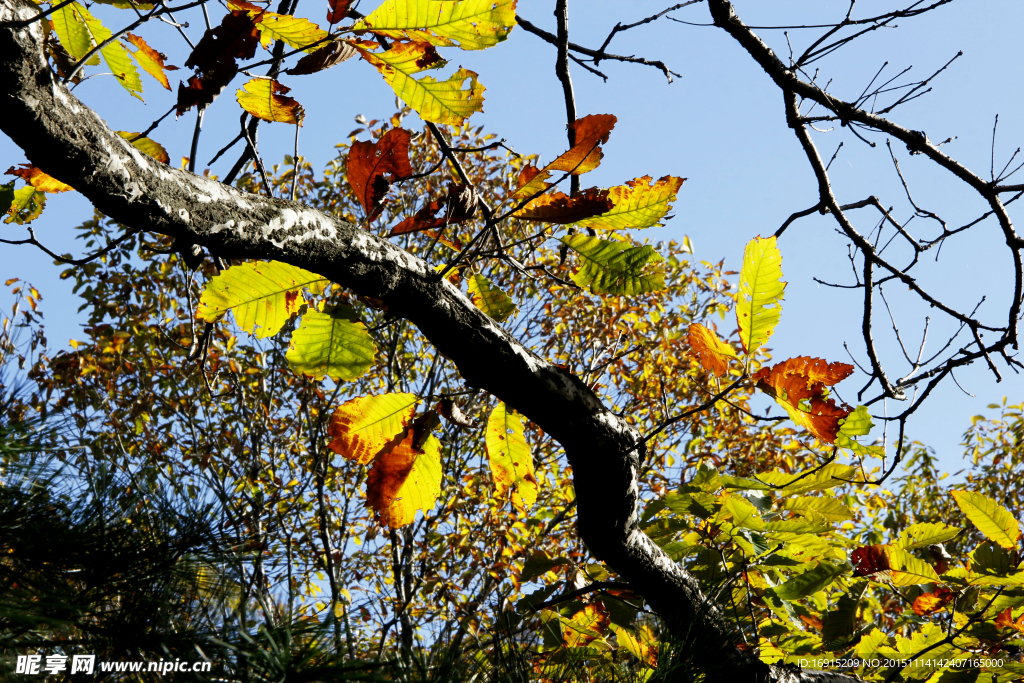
{"points": [[720, 124]]}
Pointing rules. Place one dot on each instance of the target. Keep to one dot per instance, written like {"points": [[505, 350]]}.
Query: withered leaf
{"points": [[329, 55], [373, 166], [560, 208]]}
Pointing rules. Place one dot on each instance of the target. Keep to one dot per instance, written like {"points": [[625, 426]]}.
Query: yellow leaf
{"points": [[714, 354], [510, 457], [114, 54], [301, 34], [991, 518], [404, 479], [331, 345], [908, 570], [69, 23], [489, 298], [468, 24], [637, 204], [146, 146], [150, 60], [758, 303], [363, 426], [265, 99]]}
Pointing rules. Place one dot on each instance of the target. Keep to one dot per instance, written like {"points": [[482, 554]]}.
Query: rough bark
{"points": [[69, 141]]}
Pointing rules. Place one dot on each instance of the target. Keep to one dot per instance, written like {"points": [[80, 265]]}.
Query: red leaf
{"points": [[459, 205], [870, 560], [370, 164], [338, 10]]}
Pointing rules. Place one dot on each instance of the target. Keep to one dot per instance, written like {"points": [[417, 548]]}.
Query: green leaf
{"points": [[331, 345], [797, 526], [826, 477], [759, 301], [468, 24], [728, 481], [701, 505], [114, 54], [539, 564], [857, 423], [991, 518], [510, 457], [69, 23], [263, 295], [489, 298], [829, 509], [841, 622], [6, 197], [613, 267], [908, 570], [810, 582], [925, 534], [26, 205], [743, 513]]}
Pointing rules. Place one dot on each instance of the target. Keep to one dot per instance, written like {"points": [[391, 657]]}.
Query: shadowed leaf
{"points": [[404, 478], [558, 207], [331, 54]]}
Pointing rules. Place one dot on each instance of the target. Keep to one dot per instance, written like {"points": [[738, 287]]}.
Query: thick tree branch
{"points": [[68, 140]]}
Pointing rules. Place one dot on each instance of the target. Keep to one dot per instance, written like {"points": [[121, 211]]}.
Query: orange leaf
{"points": [[404, 478], [363, 426], [370, 164], [811, 621], [585, 154], [713, 353], [560, 208], [151, 60], [927, 603], [530, 181], [1005, 620], [798, 384], [39, 180], [871, 561], [586, 625]]}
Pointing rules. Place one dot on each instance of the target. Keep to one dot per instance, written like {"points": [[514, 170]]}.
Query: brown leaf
{"points": [[870, 560], [927, 603], [450, 410], [371, 163], [329, 55], [560, 208], [457, 206], [338, 10], [585, 154], [799, 385], [405, 477], [811, 622], [713, 353], [214, 59], [39, 180]]}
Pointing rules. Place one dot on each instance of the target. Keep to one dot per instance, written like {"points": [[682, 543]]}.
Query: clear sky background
{"points": [[721, 125]]}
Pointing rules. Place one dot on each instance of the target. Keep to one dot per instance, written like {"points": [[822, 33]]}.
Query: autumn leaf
{"points": [[1005, 620], [338, 10], [585, 155], [908, 570], [713, 353], [373, 166], [457, 206], [587, 625], [114, 54], [530, 182], [150, 60], [363, 426], [146, 146], [444, 102], [27, 204], [799, 385], [510, 457], [929, 603], [331, 344], [488, 298], [6, 201], [558, 207], [759, 301], [451, 411], [636, 205], [331, 54], [992, 519], [613, 267], [644, 648], [265, 99], [301, 34], [404, 478], [214, 59], [871, 561], [39, 180], [263, 295], [468, 24]]}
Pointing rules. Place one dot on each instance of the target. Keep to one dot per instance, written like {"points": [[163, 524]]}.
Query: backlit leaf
{"points": [[991, 518], [585, 155], [612, 267], [759, 301], [829, 509], [637, 204], [265, 99], [338, 10], [69, 23], [713, 353], [26, 205], [510, 457], [871, 561], [810, 582], [925, 534], [146, 146], [404, 478], [299, 33], [488, 298], [263, 295], [833, 474], [587, 625], [558, 207], [150, 60], [373, 166], [799, 385], [363, 426], [929, 603], [530, 181], [908, 570], [39, 180], [332, 345], [114, 54], [444, 102], [857, 423], [743, 513], [468, 24]]}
